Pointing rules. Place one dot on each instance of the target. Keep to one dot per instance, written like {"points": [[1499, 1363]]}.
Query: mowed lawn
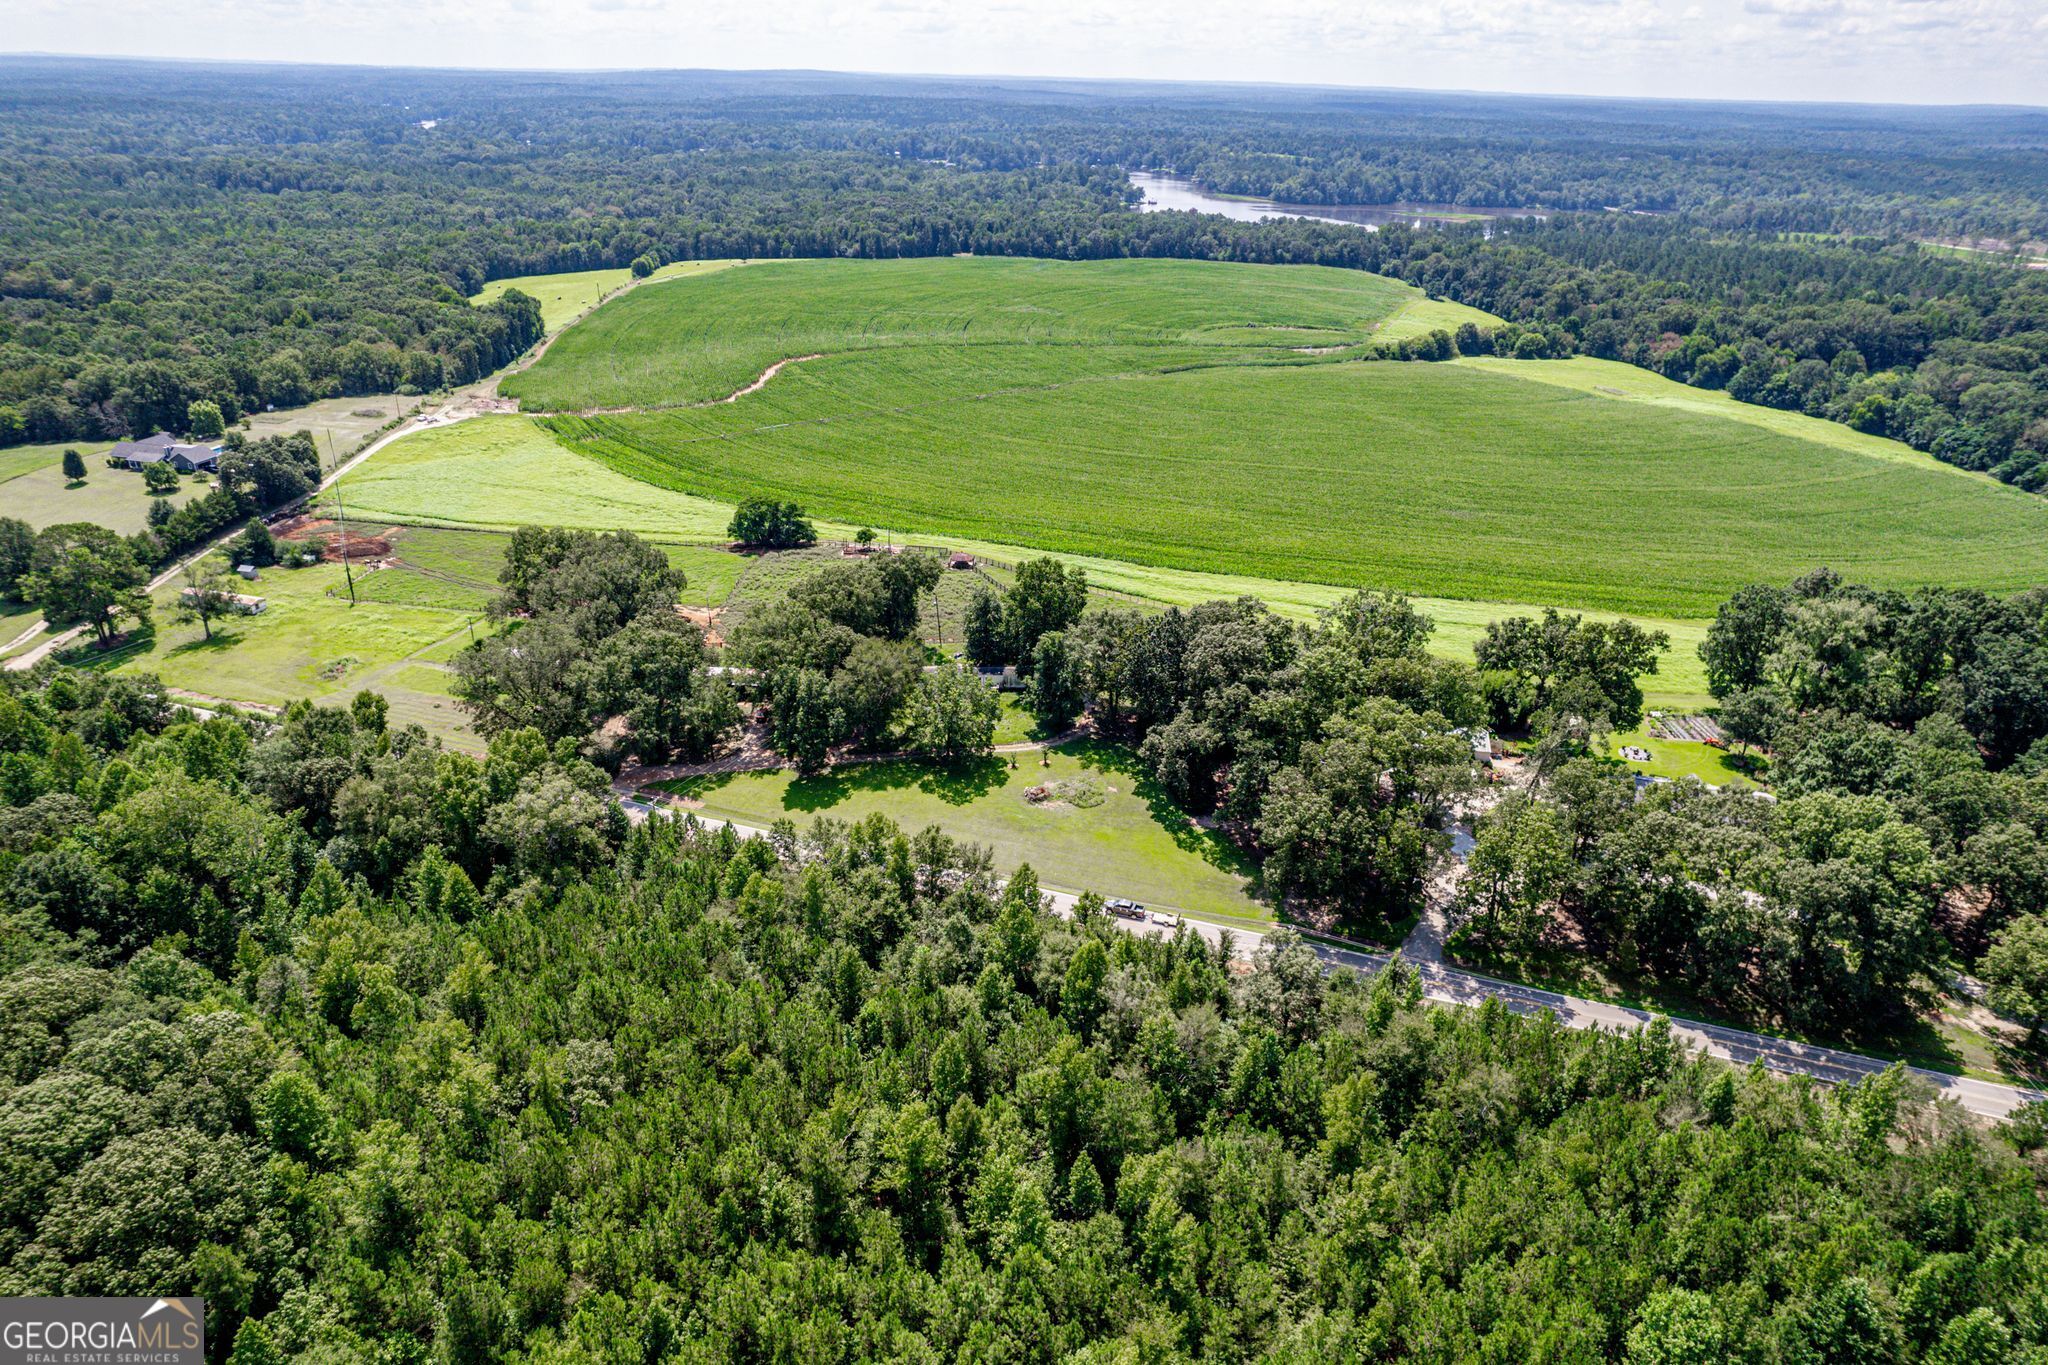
{"points": [[1678, 758], [17, 460], [1135, 843], [114, 498]]}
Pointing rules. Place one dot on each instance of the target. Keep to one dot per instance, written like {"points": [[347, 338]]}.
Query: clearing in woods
{"points": [[1117, 834], [564, 298], [1213, 418]]}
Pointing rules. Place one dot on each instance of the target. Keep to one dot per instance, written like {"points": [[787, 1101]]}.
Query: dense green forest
{"points": [[1907, 834], [393, 1054], [271, 235]]}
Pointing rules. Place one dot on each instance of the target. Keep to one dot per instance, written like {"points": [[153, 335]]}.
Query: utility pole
{"points": [[348, 571]]}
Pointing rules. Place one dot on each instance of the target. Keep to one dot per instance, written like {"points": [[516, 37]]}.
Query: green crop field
{"points": [[500, 472], [1133, 842], [1436, 479], [983, 322], [1177, 415]]}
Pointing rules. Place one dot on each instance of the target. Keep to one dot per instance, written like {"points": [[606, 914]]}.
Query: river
{"points": [[1165, 193]]}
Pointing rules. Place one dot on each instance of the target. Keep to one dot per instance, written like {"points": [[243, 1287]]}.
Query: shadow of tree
{"points": [[94, 655], [222, 639], [1209, 845], [956, 784]]}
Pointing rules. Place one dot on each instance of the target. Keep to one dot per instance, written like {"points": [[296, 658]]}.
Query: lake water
{"points": [[1164, 193]]}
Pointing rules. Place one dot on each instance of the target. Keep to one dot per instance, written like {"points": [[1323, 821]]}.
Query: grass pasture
{"points": [[1134, 843], [568, 296], [340, 426], [1175, 415], [397, 639], [500, 472]]}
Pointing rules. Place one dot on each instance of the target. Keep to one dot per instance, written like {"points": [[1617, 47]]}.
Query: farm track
{"points": [[909, 409]]}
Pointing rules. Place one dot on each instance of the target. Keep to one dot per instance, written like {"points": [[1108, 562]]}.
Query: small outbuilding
{"points": [[241, 603], [960, 560]]}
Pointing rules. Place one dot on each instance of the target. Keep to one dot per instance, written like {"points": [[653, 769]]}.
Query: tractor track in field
{"points": [[903, 409], [733, 397]]}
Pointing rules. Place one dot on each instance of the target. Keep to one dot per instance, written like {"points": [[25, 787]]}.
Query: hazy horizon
{"points": [[1914, 52]]}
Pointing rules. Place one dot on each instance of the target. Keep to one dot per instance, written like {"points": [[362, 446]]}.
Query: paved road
{"points": [[1449, 985]]}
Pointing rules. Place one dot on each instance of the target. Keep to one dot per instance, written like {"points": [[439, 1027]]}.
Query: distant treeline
{"points": [[268, 236]]}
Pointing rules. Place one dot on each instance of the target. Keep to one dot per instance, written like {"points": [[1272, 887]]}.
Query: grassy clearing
{"points": [[711, 570], [340, 426], [1674, 758], [401, 587], [1016, 724], [1420, 316], [563, 297], [113, 498], [15, 617], [407, 625], [568, 296], [309, 642], [1160, 413], [1134, 843]]}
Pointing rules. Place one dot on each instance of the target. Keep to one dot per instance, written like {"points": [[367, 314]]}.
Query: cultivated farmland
{"points": [[1214, 418], [979, 322]]}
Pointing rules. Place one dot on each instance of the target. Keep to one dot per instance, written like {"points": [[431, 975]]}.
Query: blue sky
{"points": [[1920, 51]]}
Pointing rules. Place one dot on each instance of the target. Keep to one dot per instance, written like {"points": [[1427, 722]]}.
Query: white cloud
{"points": [[1919, 50]]}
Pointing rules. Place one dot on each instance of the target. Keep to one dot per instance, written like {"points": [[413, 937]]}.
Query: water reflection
{"points": [[1170, 192]]}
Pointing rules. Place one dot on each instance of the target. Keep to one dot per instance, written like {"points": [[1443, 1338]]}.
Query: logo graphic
{"points": [[102, 1332]]}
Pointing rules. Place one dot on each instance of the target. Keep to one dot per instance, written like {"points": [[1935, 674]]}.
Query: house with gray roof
{"points": [[147, 451]]}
